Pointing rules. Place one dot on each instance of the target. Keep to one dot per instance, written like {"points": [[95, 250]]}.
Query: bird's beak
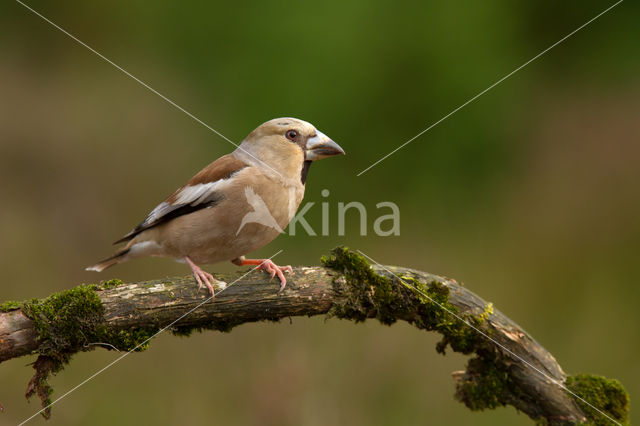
{"points": [[320, 146]]}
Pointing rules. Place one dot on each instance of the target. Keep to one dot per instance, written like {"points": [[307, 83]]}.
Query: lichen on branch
{"points": [[124, 316]]}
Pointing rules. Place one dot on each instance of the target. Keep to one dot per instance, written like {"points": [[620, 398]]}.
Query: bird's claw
{"points": [[273, 270], [203, 278]]}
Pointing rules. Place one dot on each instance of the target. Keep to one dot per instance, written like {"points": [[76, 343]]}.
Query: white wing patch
{"points": [[197, 194], [190, 198], [189, 195]]}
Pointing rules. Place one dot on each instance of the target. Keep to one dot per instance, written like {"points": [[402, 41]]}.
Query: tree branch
{"points": [[517, 371]]}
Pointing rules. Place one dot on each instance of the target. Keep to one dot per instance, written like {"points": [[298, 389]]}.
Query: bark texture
{"points": [[507, 367]]}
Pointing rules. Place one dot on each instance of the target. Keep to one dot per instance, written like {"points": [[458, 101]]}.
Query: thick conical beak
{"points": [[320, 146]]}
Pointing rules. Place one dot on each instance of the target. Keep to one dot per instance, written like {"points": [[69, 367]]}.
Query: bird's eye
{"points": [[291, 135]]}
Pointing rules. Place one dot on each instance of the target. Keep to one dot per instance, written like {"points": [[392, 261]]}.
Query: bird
{"points": [[235, 205]]}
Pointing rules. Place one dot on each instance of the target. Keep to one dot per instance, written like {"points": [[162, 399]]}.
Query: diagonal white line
{"points": [[143, 343], [127, 73], [492, 86], [143, 83], [485, 335]]}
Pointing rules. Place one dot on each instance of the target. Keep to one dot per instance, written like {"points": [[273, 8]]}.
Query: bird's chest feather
{"points": [[273, 203], [252, 213], [265, 211]]}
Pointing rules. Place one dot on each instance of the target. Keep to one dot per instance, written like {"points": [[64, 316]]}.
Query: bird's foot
{"points": [[270, 267], [204, 278]]}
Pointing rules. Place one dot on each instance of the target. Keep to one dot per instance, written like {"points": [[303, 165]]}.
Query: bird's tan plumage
{"points": [[202, 221]]}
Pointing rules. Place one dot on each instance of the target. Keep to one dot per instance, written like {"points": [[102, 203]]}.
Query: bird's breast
{"points": [[252, 213]]}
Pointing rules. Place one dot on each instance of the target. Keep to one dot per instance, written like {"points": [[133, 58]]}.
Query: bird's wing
{"points": [[200, 192]]}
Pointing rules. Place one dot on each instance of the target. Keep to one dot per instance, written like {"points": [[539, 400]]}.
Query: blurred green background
{"points": [[530, 195]]}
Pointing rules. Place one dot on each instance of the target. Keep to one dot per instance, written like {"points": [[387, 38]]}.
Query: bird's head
{"points": [[286, 143]]}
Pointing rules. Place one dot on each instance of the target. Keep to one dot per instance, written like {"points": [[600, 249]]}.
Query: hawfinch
{"points": [[235, 205]]}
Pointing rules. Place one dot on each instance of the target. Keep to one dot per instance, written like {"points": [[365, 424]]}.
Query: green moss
{"points": [[607, 394], [64, 321], [10, 305], [224, 326], [105, 285], [135, 339], [367, 294], [484, 385], [69, 322]]}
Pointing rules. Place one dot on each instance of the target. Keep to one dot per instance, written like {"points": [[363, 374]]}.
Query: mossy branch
{"points": [[115, 315]]}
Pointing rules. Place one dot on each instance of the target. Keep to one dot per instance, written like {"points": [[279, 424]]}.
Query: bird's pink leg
{"points": [[203, 277], [268, 266]]}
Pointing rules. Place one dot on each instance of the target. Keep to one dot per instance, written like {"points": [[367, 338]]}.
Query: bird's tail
{"points": [[108, 262]]}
